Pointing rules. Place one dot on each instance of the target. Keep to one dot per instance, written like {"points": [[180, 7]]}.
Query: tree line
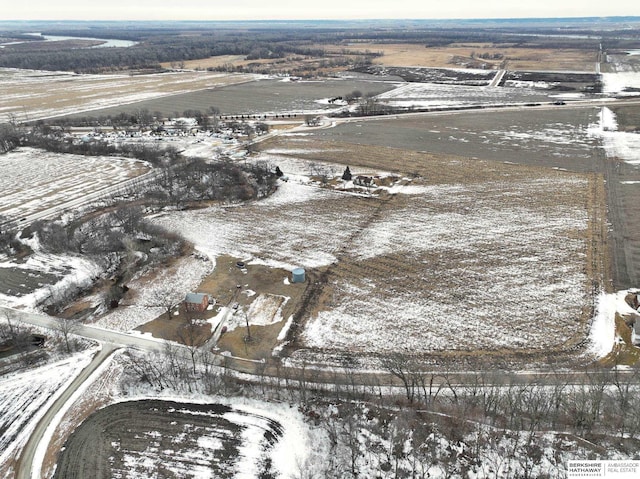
{"points": [[167, 45], [496, 424]]}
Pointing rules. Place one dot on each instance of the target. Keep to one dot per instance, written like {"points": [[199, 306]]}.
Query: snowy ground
{"points": [[177, 281], [603, 330], [450, 266], [431, 95], [25, 396], [618, 144], [248, 419], [35, 180], [26, 284], [193, 436]]}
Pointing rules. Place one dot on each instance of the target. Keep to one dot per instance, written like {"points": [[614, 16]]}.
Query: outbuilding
{"points": [[196, 302]]}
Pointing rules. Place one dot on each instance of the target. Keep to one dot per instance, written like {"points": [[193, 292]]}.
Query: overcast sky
{"points": [[305, 9]]}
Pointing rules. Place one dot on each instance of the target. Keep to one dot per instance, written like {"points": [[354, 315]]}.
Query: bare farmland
{"points": [[555, 137], [470, 255], [460, 55], [175, 440], [261, 97], [30, 95]]}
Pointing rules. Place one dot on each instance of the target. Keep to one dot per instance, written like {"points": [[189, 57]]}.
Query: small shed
{"points": [[196, 302], [298, 275]]}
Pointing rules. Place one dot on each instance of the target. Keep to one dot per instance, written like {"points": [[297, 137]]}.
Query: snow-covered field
{"points": [[428, 95], [249, 423], [616, 83], [35, 180], [618, 144], [30, 94], [26, 284], [485, 273], [440, 267], [25, 396]]}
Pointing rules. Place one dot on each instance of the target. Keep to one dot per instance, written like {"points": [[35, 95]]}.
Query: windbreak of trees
{"points": [[493, 425]]}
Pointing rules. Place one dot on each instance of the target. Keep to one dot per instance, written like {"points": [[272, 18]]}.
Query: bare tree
{"points": [[399, 366], [166, 297], [66, 328], [189, 335]]}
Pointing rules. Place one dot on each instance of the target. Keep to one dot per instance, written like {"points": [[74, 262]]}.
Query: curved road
{"points": [[25, 464]]}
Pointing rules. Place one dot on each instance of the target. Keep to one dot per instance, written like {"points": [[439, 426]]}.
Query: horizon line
{"points": [[597, 17]]}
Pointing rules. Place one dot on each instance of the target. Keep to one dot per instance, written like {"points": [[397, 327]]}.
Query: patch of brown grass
{"points": [[174, 329], [259, 346], [459, 55]]}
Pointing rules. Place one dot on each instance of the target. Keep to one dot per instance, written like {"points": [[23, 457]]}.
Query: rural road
{"points": [[98, 334], [497, 79], [25, 464], [308, 377], [115, 339]]}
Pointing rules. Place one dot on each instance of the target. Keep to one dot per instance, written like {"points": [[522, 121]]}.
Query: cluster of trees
{"points": [[9, 137], [155, 48], [16, 337], [487, 56], [495, 424], [7, 234], [120, 241], [196, 180], [152, 153]]}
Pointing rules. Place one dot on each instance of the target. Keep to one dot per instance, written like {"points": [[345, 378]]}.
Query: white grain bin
{"points": [[298, 275]]}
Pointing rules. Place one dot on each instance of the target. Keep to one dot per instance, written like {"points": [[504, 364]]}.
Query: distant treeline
{"points": [[162, 45], [153, 50]]}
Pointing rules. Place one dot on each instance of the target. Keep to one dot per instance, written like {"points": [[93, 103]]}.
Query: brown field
{"points": [[458, 55], [402, 55], [375, 299]]}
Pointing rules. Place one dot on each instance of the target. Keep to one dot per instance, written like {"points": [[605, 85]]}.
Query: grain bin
{"points": [[298, 275]]}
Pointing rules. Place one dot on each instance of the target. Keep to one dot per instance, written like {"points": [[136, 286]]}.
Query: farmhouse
{"points": [[196, 302]]}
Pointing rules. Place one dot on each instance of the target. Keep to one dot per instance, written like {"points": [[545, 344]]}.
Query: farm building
{"points": [[196, 302]]}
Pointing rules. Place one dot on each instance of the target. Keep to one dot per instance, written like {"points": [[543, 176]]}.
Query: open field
{"points": [[553, 137], [459, 55], [439, 264], [29, 95], [154, 438], [266, 96], [35, 180]]}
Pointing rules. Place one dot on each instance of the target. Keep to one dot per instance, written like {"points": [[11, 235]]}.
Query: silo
{"points": [[298, 275]]}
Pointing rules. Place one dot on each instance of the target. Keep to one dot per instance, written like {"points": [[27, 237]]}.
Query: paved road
{"points": [[25, 464], [98, 334], [497, 79]]}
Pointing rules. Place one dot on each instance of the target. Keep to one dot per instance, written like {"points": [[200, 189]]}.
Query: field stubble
{"points": [[490, 257], [460, 55]]}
